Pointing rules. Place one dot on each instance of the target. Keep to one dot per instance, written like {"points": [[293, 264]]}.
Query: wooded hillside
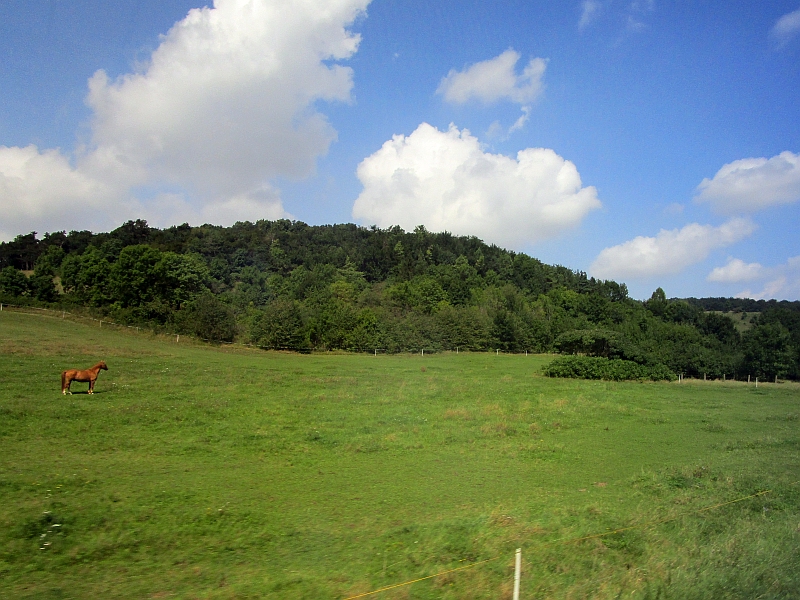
{"points": [[285, 284]]}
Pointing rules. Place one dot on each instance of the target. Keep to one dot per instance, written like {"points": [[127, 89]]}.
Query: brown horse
{"points": [[90, 375]]}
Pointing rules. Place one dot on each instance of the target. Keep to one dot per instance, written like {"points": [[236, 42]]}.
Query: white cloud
{"points": [[445, 181], [669, 252], [736, 271], [752, 184], [495, 79], [787, 27], [42, 191], [781, 282], [225, 104], [589, 9]]}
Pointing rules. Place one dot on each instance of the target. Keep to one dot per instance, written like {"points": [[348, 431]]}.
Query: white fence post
{"points": [[517, 572]]}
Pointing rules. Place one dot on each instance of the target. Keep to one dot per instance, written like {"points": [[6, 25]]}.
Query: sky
{"points": [[650, 142]]}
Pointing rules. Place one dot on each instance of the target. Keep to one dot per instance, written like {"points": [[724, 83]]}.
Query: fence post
{"points": [[177, 338], [423, 352], [517, 572], [756, 381]]}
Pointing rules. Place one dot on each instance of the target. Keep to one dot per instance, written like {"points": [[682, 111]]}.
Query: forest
{"points": [[288, 285]]}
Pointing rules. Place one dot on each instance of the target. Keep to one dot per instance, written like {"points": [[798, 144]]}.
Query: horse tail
{"points": [[63, 379]]}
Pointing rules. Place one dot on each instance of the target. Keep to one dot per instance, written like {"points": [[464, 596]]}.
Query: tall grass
{"points": [[200, 472]]}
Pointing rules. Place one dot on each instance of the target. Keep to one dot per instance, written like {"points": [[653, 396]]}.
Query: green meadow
{"points": [[225, 472]]}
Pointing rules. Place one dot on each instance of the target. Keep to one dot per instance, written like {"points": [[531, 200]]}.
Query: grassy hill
{"points": [[224, 472]]}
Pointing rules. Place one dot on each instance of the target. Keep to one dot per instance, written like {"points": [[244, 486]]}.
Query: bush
{"points": [[13, 282], [210, 319], [614, 369], [280, 326]]}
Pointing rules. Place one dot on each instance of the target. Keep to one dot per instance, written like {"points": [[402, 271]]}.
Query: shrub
{"points": [[13, 282], [210, 319], [614, 369]]}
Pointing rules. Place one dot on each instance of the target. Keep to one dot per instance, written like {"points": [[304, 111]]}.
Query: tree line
{"points": [[286, 284]]}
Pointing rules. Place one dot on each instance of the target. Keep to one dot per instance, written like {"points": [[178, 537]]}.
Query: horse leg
{"points": [[91, 386]]}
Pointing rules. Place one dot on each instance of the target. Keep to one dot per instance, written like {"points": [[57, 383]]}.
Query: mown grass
{"points": [[200, 472]]}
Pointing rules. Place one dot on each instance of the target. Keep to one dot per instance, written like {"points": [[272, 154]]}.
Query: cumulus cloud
{"points": [[752, 184], [781, 282], [41, 190], [445, 181], [225, 104], [736, 271], [786, 27], [495, 79], [669, 252]]}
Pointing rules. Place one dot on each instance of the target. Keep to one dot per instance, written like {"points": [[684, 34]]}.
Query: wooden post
{"points": [[756, 381], [517, 572], [748, 379], [177, 338], [704, 376], [423, 352], [497, 352]]}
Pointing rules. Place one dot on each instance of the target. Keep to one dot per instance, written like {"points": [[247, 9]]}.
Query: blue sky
{"points": [[651, 142]]}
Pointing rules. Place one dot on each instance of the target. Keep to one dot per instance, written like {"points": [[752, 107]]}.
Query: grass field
{"points": [[201, 472]]}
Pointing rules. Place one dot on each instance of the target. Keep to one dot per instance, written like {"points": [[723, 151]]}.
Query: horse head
{"points": [[103, 365]]}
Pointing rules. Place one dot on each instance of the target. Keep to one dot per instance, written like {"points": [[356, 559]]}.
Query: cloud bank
{"points": [[445, 181], [225, 104], [782, 281], [669, 252], [495, 79], [752, 184]]}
